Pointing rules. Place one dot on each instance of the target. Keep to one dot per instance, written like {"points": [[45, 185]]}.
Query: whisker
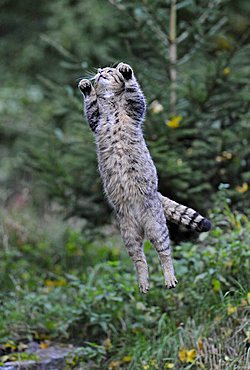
{"points": [[85, 78], [115, 64], [89, 75], [79, 79]]}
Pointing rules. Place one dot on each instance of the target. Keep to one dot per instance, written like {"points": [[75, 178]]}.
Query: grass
{"points": [[57, 284]]}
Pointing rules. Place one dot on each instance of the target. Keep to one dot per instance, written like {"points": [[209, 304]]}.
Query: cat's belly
{"points": [[128, 173]]}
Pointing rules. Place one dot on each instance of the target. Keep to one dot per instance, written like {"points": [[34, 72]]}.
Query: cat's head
{"points": [[109, 80]]}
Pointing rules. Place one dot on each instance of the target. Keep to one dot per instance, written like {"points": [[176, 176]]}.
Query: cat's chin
{"points": [[108, 95]]}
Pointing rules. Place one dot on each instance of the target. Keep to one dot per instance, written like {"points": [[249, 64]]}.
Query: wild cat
{"points": [[115, 107]]}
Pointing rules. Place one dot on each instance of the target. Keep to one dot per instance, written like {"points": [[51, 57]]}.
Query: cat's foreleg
{"points": [[134, 245], [90, 103], [135, 103]]}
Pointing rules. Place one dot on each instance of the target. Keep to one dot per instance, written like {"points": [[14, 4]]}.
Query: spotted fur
{"points": [[115, 107]]}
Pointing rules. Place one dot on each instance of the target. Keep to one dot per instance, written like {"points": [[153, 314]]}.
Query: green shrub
{"points": [[100, 309]]}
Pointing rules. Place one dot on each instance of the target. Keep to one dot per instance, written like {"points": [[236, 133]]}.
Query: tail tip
{"points": [[206, 225]]}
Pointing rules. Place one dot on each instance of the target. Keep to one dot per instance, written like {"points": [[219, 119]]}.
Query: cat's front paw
{"points": [[125, 70], [85, 86]]}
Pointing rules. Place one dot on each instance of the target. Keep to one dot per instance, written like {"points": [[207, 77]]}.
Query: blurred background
{"points": [[61, 258]]}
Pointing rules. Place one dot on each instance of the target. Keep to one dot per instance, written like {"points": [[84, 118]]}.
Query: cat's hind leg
{"points": [[157, 232], [133, 240]]}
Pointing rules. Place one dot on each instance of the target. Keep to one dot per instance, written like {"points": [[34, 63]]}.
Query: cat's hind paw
{"points": [[144, 286], [171, 282]]}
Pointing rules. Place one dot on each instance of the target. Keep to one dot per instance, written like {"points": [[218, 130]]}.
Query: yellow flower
{"points": [[187, 355], [226, 71], [248, 297], [170, 365], [174, 122], [243, 188], [126, 359], [156, 107], [183, 355], [231, 309], [191, 355]]}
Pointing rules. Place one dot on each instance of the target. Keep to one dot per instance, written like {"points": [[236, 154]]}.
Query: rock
{"points": [[52, 358]]}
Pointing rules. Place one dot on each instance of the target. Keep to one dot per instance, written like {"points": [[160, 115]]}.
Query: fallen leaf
{"points": [[4, 358], [44, 345], [22, 347], [242, 188]]}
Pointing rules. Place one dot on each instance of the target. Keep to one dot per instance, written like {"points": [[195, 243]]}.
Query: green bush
{"points": [[100, 309]]}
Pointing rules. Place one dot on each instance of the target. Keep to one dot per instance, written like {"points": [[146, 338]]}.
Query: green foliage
{"points": [[100, 310]]}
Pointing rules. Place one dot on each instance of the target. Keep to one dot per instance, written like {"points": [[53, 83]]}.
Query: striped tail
{"points": [[183, 215]]}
